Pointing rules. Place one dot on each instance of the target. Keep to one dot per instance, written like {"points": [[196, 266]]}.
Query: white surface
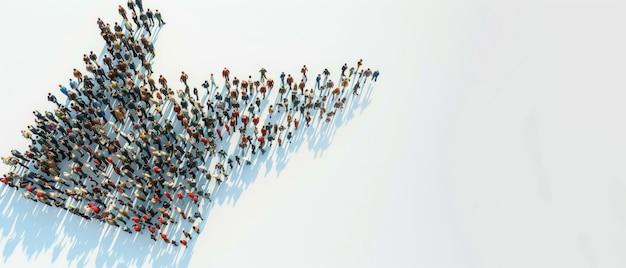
{"points": [[493, 137]]}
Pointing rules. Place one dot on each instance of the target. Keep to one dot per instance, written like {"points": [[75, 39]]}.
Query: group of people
{"points": [[130, 151]]}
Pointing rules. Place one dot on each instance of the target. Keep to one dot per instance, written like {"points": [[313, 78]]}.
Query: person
{"points": [[158, 16], [144, 23], [263, 77], [326, 73], [301, 86], [78, 75], [135, 19], [367, 74], [356, 88], [64, 91], [131, 5], [122, 12], [53, 99], [290, 80], [187, 234], [162, 81], [150, 16], [225, 74], [317, 81], [282, 78], [198, 215], [270, 110], [139, 4], [375, 75], [129, 27], [206, 86], [213, 82], [343, 69], [303, 71], [330, 84], [351, 71], [183, 78]]}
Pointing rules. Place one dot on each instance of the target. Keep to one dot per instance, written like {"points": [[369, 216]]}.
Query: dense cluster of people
{"points": [[130, 151]]}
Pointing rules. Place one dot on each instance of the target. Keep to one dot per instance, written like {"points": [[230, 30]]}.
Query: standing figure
{"points": [[303, 71], [225, 74], [150, 16], [375, 75], [263, 71], [158, 16], [122, 12], [183, 78], [139, 4]]}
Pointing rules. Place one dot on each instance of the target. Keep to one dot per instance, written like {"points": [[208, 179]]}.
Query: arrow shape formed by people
{"points": [[127, 150]]}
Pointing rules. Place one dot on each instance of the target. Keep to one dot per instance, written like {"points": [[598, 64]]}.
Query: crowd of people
{"points": [[130, 151]]}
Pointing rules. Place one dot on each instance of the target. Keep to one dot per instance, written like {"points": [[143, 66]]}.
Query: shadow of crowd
{"points": [[147, 159]]}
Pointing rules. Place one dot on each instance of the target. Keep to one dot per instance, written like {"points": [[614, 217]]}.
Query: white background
{"points": [[494, 136]]}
